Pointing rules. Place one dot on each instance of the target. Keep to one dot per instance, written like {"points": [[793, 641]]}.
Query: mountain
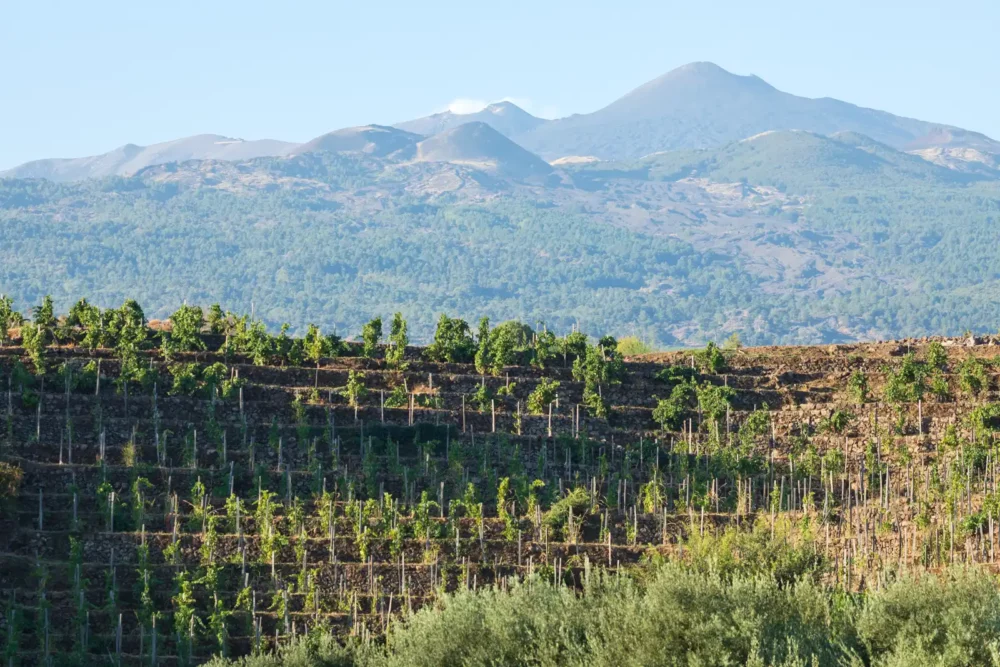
{"points": [[701, 105], [130, 158], [474, 144], [505, 117], [375, 140], [479, 145]]}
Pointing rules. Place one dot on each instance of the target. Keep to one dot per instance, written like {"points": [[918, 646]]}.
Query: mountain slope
{"points": [[802, 162], [130, 158], [701, 105], [479, 145], [375, 140], [505, 117]]}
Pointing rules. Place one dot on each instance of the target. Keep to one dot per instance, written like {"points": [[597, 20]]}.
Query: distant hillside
{"points": [[802, 162], [783, 237], [479, 145], [957, 149], [131, 158], [375, 140]]}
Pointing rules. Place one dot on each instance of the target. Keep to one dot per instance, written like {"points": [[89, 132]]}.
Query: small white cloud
{"points": [[464, 105]]}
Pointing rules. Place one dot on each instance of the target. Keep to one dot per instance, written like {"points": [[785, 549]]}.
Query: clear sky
{"points": [[79, 78]]}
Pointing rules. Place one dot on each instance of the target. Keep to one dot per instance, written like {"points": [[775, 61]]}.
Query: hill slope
{"points": [[376, 140], [131, 158], [479, 145], [804, 162]]}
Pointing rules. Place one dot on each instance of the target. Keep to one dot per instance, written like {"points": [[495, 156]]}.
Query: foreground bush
{"points": [[679, 616], [314, 650], [949, 620]]}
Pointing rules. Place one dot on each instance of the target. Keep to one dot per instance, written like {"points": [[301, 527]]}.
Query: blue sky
{"points": [[80, 78]]}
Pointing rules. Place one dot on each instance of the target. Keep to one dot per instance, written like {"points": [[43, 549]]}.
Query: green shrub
{"points": [[711, 359], [908, 382], [317, 649], [857, 387], [543, 395], [937, 356], [836, 422], [397, 398], [631, 346], [739, 599], [972, 377], [672, 375], [953, 619], [670, 412]]}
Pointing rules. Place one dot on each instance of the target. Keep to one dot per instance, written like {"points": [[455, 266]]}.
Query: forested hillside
{"points": [[785, 237]]}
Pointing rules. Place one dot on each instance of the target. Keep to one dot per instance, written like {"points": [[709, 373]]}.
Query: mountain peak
{"points": [[700, 68], [505, 107], [705, 76], [505, 117], [694, 86]]}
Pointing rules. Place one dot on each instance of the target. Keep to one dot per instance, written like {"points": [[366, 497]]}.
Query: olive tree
{"points": [[398, 341], [44, 314], [371, 334], [8, 317], [185, 331], [482, 359], [574, 343], [316, 346], [129, 330], [33, 342], [452, 341], [216, 320]]}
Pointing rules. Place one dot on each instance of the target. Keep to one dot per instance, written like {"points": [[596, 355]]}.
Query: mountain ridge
{"points": [[130, 158], [701, 105], [698, 105]]}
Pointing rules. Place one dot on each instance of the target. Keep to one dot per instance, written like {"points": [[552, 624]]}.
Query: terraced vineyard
{"points": [[178, 491]]}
